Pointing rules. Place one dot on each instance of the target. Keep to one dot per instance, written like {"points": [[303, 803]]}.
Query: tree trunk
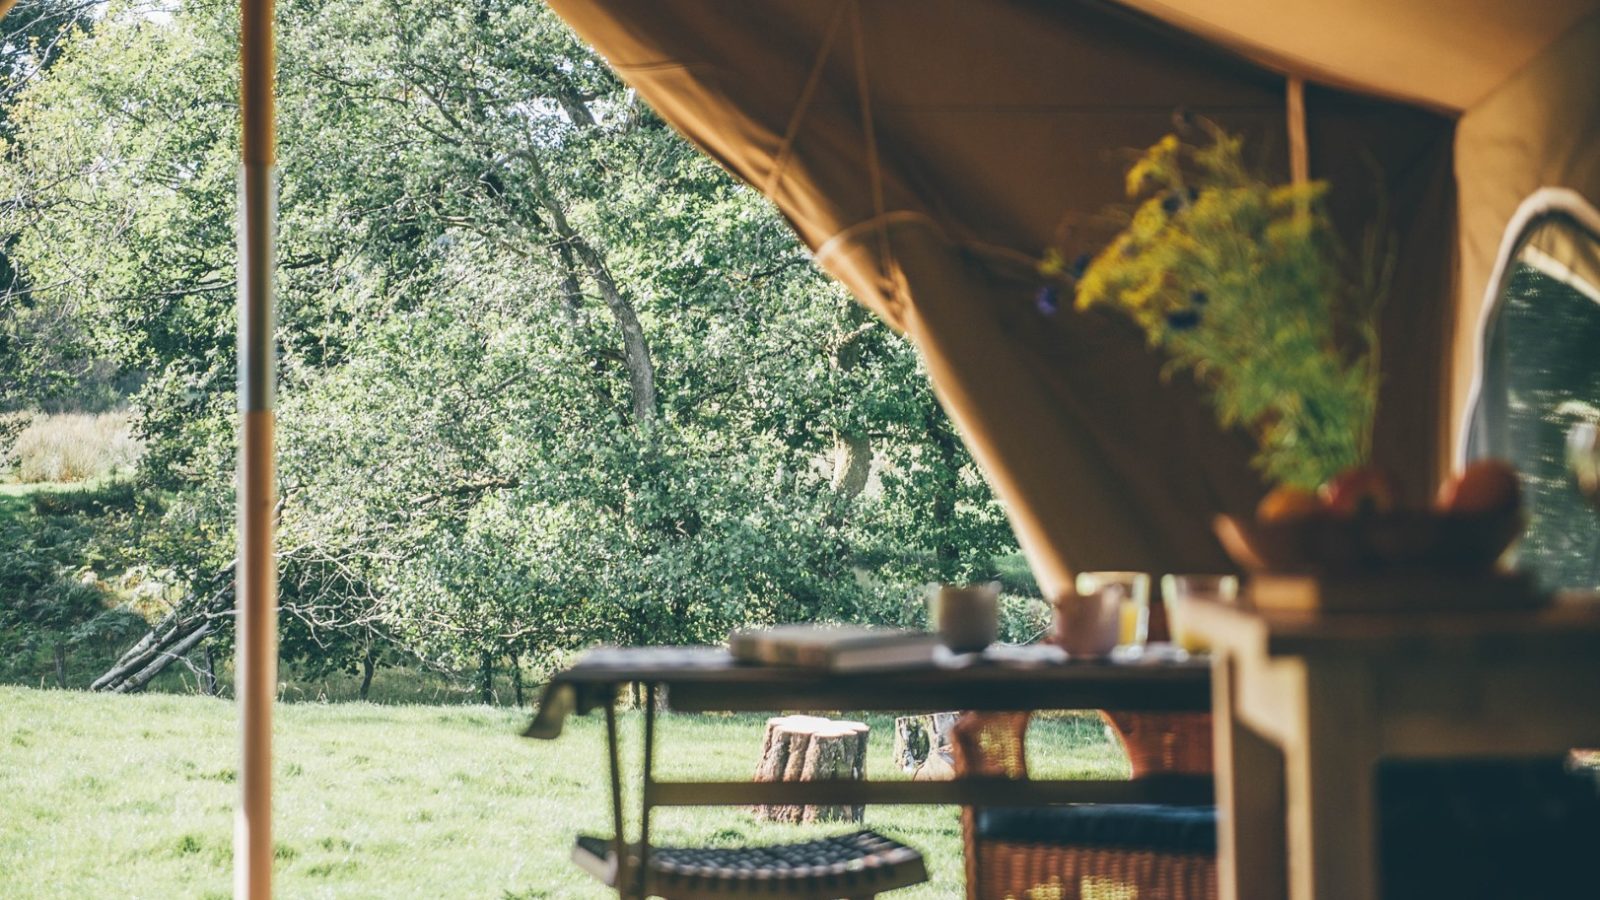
{"points": [[189, 620], [852, 451], [368, 664], [208, 671], [61, 665], [635, 350], [161, 659], [852, 464], [948, 492], [486, 678], [809, 748], [916, 738], [516, 677]]}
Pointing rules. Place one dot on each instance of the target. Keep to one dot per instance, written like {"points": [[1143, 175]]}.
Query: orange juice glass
{"points": [[1178, 591]]}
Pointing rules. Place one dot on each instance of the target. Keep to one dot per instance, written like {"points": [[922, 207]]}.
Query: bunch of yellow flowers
{"points": [[1239, 282]]}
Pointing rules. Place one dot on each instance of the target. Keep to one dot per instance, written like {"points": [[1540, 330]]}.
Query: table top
{"points": [[702, 679], [1568, 625]]}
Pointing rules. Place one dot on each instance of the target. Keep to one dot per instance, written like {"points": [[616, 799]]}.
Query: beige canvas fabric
{"points": [[1539, 129], [1448, 54], [930, 150]]}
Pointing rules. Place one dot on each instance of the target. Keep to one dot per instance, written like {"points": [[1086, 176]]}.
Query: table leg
{"points": [[619, 842], [1331, 787], [1250, 808], [647, 792]]}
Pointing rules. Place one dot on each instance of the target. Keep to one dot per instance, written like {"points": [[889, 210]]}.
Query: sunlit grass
{"points": [[133, 797], [74, 447]]}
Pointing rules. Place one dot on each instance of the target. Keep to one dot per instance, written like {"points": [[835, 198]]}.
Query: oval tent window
{"points": [[1540, 382]]}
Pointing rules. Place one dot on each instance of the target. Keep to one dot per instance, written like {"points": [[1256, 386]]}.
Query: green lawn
{"points": [[133, 797], [16, 500]]}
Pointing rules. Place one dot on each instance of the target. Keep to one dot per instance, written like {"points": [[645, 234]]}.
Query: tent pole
{"points": [[1299, 153], [256, 671]]}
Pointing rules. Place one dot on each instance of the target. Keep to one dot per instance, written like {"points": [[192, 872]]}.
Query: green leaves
{"points": [[1238, 282], [483, 235]]}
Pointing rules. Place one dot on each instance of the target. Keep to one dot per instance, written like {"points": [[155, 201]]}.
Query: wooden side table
{"points": [[1306, 705]]}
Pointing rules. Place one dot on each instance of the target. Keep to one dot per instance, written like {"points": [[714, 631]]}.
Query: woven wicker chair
{"points": [[1089, 852]]}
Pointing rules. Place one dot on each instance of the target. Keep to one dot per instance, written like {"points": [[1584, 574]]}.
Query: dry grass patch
{"points": [[73, 447]]}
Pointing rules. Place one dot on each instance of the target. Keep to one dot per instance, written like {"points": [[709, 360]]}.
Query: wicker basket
{"points": [[992, 745], [1010, 871], [1164, 743]]}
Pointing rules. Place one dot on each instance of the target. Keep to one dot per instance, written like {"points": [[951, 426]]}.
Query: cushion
{"points": [[1141, 826], [1487, 829]]}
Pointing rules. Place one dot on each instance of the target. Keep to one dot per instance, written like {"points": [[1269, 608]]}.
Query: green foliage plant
{"points": [[1240, 282], [549, 376]]}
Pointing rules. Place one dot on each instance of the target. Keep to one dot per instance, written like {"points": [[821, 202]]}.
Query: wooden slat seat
{"points": [[862, 864]]}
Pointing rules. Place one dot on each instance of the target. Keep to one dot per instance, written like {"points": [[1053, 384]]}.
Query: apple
{"points": [[1287, 503], [1486, 486], [1358, 491]]}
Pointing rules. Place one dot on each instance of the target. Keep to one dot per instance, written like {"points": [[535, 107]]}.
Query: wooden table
{"points": [[1306, 705], [706, 679]]}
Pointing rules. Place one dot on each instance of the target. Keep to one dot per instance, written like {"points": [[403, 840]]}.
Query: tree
{"points": [[548, 375], [45, 359]]}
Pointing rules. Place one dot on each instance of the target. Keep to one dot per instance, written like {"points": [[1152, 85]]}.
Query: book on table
{"points": [[840, 648]]}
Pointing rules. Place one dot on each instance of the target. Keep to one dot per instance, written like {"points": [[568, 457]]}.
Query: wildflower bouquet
{"points": [[1238, 281]]}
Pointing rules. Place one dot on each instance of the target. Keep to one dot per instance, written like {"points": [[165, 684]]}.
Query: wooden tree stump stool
{"points": [[811, 748]]}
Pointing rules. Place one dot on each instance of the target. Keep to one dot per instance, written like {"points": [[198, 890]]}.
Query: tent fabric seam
{"points": [[780, 160]]}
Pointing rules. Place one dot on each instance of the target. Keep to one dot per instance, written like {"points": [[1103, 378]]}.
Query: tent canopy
{"points": [[929, 150], [1447, 54]]}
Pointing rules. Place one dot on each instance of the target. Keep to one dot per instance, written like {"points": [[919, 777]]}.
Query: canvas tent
{"points": [[929, 150]]}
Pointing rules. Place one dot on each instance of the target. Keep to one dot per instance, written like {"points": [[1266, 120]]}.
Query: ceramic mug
{"points": [[1088, 625], [967, 617], [1132, 593]]}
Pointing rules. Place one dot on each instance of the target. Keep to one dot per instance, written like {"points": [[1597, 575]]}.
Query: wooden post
{"points": [[1299, 151], [1252, 857], [256, 675]]}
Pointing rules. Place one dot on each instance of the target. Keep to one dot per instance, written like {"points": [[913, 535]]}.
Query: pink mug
{"points": [[1088, 625]]}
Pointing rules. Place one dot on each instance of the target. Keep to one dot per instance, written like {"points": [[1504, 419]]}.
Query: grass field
{"points": [[133, 797]]}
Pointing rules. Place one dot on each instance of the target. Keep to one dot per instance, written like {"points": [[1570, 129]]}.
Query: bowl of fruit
{"points": [[1352, 524]]}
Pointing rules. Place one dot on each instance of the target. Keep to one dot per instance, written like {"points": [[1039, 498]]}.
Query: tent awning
{"points": [[928, 150], [1447, 54]]}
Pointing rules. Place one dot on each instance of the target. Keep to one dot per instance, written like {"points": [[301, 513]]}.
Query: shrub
{"points": [[74, 447], [11, 425], [92, 501]]}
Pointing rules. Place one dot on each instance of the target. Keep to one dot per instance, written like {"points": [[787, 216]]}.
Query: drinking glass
{"points": [[1178, 591], [1131, 590]]}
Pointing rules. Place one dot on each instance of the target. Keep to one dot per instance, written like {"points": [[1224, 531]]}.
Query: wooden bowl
{"points": [[1400, 540]]}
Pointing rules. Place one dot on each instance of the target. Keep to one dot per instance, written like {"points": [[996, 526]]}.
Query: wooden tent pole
{"points": [[256, 672], [1299, 153]]}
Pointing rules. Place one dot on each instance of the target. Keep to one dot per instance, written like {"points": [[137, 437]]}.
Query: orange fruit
{"points": [[1356, 491], [1286, 504], [1486, 486]]}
